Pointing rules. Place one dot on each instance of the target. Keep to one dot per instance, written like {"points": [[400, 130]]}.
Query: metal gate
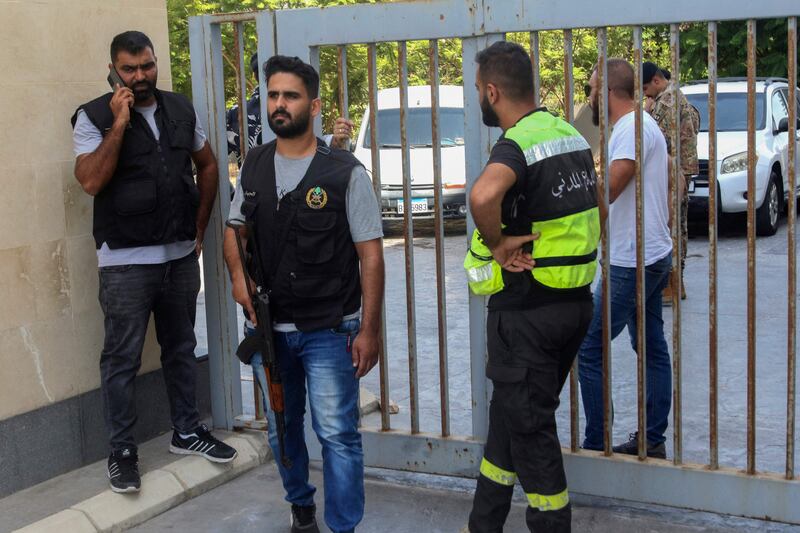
{"points": [[478, 23]]}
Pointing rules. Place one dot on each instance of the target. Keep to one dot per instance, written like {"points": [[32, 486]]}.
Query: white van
{"points": [[451, 123]]}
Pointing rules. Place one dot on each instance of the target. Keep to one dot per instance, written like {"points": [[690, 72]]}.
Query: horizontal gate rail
{"points": [[527, 15], [726, 490]]}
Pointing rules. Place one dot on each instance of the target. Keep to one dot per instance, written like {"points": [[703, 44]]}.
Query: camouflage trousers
{"points": [[684, 226]]}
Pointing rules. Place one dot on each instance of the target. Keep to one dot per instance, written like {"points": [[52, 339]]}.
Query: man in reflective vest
{"points": [[535, 208]]}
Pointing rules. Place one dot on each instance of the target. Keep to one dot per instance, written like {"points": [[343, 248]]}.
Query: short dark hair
{"points": [[254, 64], [132, 42], [620, 76], [508, 66], [296, 66], [649, 69]]}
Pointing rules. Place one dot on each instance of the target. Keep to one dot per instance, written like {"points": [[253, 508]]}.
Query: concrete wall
{"points": [[53, 58]]}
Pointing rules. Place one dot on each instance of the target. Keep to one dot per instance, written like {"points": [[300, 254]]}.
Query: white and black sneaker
{"points": [[123, 471], [201, 442], [303, 519]]}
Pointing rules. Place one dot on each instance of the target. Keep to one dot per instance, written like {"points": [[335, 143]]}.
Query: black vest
{"points": [[151, 198], [310, 265]]}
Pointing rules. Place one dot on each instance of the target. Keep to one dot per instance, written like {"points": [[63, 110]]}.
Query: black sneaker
{"points": [[202, 442], [631, 447], [123, 471], [302, 520]]}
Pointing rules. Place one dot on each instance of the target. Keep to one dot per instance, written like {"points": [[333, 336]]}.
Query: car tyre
{"points": [[769, 213]]}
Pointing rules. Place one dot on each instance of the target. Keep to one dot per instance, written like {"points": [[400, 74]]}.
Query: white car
{"points": [[418, 128], [772, 140]]}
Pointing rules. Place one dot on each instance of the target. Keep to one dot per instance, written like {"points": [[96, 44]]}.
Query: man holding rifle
{"points": [[311, 225]]}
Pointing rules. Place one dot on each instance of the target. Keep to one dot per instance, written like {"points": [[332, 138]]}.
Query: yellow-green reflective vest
{"points": [[558, 200]]}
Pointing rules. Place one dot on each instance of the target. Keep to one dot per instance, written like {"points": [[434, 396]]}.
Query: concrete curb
{"points": [[67, 520], [162, 489]]}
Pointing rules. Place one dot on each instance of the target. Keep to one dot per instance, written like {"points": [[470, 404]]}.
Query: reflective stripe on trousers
{"points": [[542, 502]]}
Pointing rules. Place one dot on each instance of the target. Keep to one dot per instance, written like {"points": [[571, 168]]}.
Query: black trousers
{"points": [[128, 295], [530, 355]]}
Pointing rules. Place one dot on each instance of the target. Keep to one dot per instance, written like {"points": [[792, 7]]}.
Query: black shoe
{"points": [[631, 447], [302, 520], [201, 442], [123, 471]]}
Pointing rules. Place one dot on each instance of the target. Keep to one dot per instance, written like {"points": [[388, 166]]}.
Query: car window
{"points": [[418, 127], [731, 110], [779, 108]]}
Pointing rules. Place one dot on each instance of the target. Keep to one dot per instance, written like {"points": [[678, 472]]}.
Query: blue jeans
{"points": [[128, 295], [322, 360], [658, 369]]}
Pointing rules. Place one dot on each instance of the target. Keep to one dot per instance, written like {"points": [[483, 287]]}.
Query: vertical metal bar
{"points": [[205, 44], [341, 66], [569, 85], [713, 401], [372, 67], [244, 145], [791, 348], [259, 406], [751, 246], [266, 48], [569, 115], [641, 344], [537, 80], [313, 60], [433, 80], [477, 143], [241, 96], [408, 225], [677, 203], [602, 78]]}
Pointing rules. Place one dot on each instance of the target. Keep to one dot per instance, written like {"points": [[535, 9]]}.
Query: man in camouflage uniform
{"points": [[661, 97]]}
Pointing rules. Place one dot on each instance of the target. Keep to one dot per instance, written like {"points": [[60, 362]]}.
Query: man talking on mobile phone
{"points": [[134, 151]]}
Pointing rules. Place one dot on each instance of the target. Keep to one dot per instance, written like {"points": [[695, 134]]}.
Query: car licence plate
{"points": [[418, 205]]}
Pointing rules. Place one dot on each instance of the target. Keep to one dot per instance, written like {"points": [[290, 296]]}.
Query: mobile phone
{"points": [[113, 78]]}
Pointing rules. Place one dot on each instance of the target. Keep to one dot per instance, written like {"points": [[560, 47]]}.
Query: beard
{"points": [[143, 90], [289, 127], [594, 104], [489, 116]]}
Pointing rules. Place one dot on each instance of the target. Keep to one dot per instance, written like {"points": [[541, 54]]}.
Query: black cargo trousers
{"points": [[530, 354]]}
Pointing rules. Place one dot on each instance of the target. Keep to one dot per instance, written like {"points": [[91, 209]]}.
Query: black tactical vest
{"points": [[309, 261], [151, 198]]}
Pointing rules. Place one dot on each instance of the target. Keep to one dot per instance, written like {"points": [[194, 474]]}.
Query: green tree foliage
{"points": [[732, 39], [178, 13], [771, 48]]}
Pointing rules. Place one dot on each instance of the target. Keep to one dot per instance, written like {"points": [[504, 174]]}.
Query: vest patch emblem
{"points": [[316, 198]]}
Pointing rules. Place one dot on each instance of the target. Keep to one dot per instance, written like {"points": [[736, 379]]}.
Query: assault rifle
{"points": [[262, 340]]}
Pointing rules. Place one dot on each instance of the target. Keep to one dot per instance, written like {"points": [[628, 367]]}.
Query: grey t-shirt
{"points": [[363, 212]]}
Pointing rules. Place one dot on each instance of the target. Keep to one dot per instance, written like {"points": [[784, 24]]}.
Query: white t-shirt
{"points": [[85, 139], [622, 213]]}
